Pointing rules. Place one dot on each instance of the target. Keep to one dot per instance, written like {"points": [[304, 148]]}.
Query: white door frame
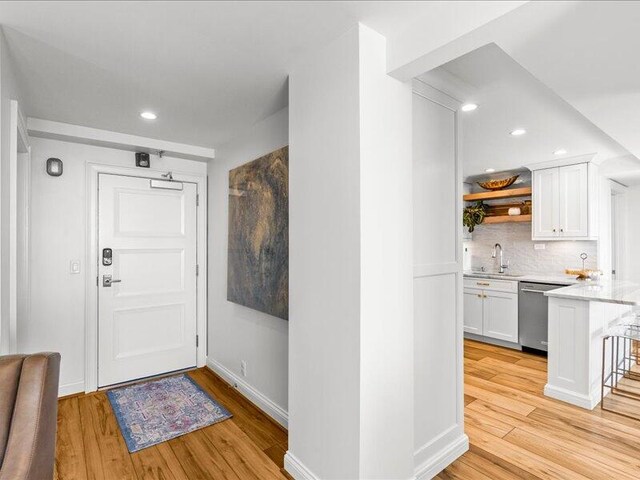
{"points": [[18, 146], [91, 261], [618, 229]]}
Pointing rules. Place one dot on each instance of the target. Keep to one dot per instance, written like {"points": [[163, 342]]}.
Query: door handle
{"points": [[107, 280], [531, 290]]}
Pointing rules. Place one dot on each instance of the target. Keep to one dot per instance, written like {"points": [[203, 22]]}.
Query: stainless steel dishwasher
{"points": [[533, 324]]}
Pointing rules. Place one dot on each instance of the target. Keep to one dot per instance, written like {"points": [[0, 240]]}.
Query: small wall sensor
{"points": [[142, 160], [54, 167]]}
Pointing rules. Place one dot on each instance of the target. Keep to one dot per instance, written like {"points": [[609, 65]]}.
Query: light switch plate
{"points": [[539, 246], [75, 267]]}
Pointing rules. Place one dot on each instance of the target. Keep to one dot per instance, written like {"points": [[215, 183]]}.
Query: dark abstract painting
{"points": [[258, 257]]}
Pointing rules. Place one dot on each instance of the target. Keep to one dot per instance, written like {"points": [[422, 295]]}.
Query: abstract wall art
{"points": [[258, 248]]}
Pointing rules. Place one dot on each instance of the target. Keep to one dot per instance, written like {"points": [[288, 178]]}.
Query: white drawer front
{"points": [[491, 284]]}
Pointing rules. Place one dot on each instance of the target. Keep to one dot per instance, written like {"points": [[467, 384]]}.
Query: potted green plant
{"points": [[473, 215]]}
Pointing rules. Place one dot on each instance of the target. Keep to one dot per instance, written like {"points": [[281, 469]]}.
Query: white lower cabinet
{"points": [[473, 311], [491, 310], [500, 316]]}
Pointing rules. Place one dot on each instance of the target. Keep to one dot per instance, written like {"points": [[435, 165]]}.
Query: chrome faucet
{"points": [[493, 255]]}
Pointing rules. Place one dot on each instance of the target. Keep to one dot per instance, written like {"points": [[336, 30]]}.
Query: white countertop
{"points": [[552, 279], [609, 291]]}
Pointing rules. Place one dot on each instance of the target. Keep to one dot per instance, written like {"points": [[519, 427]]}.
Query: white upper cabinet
{"points": [[574, 201], [546, 199], [564, 203]]}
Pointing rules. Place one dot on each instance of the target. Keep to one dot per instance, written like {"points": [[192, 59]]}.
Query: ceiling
{"points": [[509, 97], [588, 55], [584, 51], [208, 69]]}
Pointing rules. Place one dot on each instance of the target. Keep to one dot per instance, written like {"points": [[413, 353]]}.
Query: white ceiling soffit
{"points": [[509, 97], [584, 51], [208, 69], [120, 141]]}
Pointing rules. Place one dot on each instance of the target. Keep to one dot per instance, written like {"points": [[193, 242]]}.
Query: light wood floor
{"points": [[248, 446], [515, 432]]}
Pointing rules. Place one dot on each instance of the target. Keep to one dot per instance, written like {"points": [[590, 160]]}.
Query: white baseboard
{"points": [[577, 399], [256, 397], [296, 469], [443, 458], [70, 389]]}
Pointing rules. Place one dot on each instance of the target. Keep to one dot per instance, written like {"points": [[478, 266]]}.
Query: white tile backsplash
{"points": [[520, 251]]}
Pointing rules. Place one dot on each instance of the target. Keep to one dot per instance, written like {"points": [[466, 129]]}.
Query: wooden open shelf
{"points": [[509, 193], [506, 219]]}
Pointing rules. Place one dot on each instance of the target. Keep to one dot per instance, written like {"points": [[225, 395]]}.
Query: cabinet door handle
{"points": [[479, 296], [562, 229], [554, 230]]}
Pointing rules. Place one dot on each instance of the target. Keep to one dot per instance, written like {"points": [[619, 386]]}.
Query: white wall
{"points": [[238, 333], [632, 258], [9, 90], [58, 236], [351, 328]]}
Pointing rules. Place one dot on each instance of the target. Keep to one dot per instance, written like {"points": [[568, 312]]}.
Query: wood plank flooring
{"points": [[248, 446], [515, 433]]}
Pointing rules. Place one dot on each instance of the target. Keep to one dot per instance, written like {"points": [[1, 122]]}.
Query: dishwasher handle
{"points": [[531, 290]]}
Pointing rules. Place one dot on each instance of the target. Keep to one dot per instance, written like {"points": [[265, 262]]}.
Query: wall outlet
{"points": [[74, 267], [539, 246], [243, 368]]}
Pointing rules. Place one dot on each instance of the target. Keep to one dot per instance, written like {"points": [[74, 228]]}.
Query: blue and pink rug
{"points": [[153, 412]]}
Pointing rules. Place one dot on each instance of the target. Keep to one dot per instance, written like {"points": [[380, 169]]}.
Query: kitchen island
{"points": [[578, 316]]}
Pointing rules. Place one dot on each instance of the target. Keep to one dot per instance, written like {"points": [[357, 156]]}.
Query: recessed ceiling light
{"points": [[148, 115], [490, 170], [518, 131], [469, 107], [560, 151]]}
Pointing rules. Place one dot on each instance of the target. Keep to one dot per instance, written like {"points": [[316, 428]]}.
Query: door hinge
{"points": [[197, 340], [197, 199], [197, 270]]}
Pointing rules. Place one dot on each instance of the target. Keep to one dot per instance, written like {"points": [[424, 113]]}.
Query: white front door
{"points": [[147, 316]]}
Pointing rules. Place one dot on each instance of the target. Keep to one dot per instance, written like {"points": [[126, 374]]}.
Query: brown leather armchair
{"points": [[28, 415]]}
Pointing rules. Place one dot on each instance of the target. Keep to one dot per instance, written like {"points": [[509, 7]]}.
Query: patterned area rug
{"points": [[153, 412]]}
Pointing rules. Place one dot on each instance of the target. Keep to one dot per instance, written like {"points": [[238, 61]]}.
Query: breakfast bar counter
{"points": [[608, 291], [578, 316]]}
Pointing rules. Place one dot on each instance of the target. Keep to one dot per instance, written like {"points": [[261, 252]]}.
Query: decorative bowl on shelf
{"points": [[498, 184]]}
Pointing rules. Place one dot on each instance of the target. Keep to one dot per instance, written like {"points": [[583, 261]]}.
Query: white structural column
{"points": [[437, 282], [351, 411]]}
